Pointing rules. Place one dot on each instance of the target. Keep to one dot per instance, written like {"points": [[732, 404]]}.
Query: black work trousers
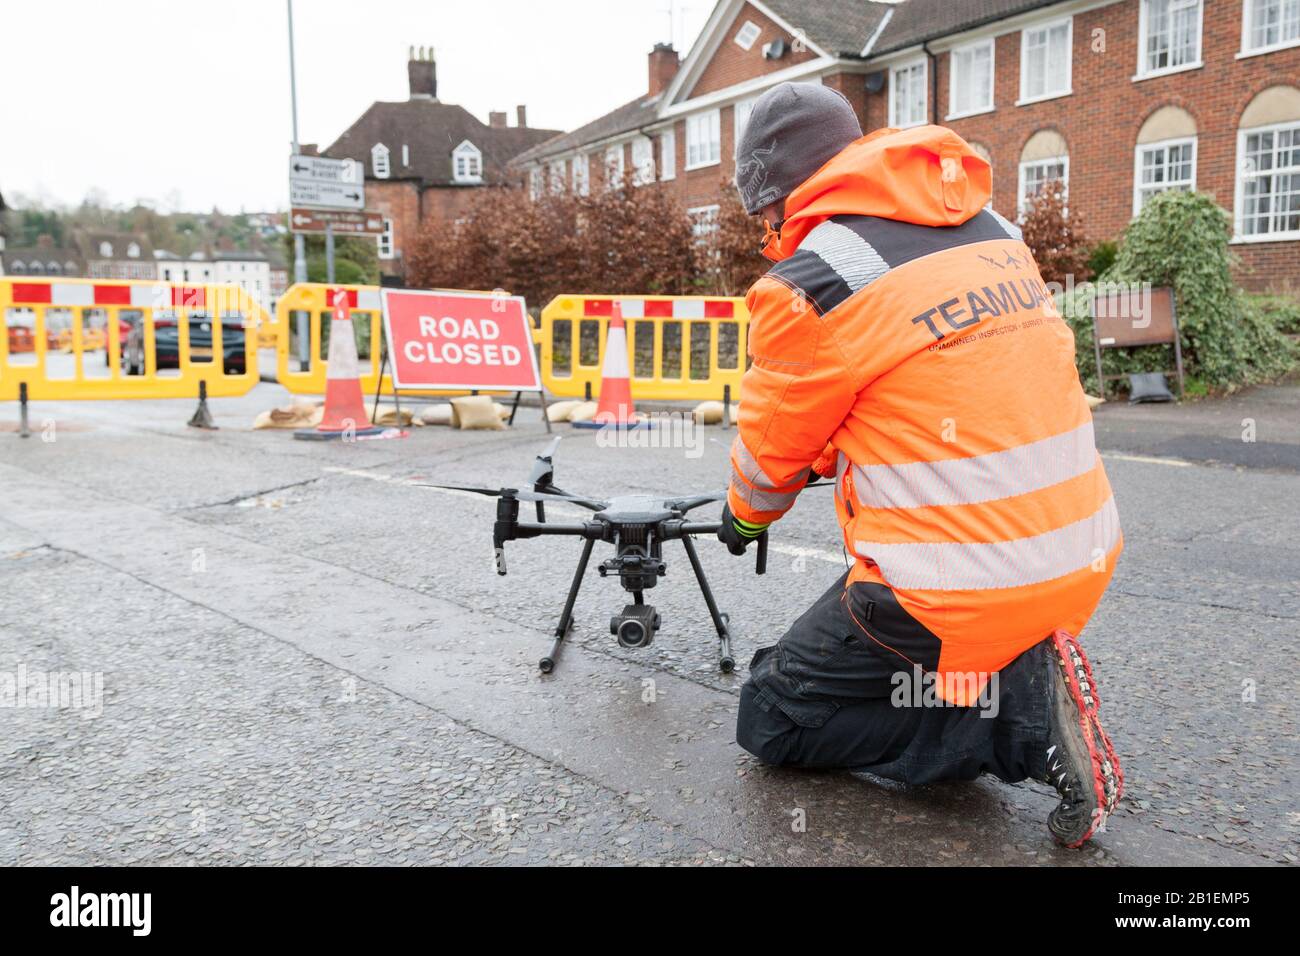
{"points": [[832, 693]]}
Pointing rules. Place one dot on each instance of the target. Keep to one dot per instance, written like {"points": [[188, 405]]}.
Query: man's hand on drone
{"points": [[736, 534]]}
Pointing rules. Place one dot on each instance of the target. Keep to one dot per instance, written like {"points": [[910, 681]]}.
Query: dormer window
{"points": [[133, 250], [379, 160], [467, 163], [106, 250]]}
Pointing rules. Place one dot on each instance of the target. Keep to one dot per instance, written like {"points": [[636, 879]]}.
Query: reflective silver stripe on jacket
{"points": [[968, 481], [752, 484], [852, 257], [952, 566]]}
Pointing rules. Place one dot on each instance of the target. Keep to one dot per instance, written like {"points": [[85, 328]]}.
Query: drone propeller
{"points": [[523, 494], [544, 464]]}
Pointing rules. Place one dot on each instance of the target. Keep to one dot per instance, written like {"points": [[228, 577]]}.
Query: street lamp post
{"points": [[299, 241]]}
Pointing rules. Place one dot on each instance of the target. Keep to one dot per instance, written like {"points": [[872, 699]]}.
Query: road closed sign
{"points": [[474, 340]]}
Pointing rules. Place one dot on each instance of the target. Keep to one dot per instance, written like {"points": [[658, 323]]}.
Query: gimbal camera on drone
{"points": [[637, 526]]}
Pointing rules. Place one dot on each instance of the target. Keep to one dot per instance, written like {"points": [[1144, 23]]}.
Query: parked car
{"points": [[167, 344]]}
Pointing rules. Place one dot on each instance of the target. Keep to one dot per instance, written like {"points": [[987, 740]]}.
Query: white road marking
{"points": [[1148, 460]]}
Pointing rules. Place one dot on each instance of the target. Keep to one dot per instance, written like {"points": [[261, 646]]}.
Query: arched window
{"points": [[1044, 159], [18, 267], [1165, 157], [52, 268], [35, 269], [106, 250], [379, 160], [1267, 206], [133, 250]]}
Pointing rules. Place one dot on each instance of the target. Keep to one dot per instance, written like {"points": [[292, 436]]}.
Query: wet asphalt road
{"points": [[306, 657]]}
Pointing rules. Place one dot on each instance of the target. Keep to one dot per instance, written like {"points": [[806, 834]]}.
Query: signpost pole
{"points": [[329, 253]]}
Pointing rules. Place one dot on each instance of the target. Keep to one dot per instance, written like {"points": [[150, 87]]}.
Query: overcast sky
{"points": [[185, 103]]}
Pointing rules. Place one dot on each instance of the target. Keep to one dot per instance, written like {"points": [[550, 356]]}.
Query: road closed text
{"points": [[451, 341]]}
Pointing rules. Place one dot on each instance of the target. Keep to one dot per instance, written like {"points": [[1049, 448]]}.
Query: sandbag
{"points": [[297, 415], [388, 416], [710, 413], [585, 412], [475, 412], [439, 414], [560, 411]]}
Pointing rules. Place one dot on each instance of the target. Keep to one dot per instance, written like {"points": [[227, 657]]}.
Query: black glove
{"points": [[737, 534]]}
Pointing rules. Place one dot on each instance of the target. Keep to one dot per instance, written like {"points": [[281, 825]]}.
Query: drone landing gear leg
{"points": [[547, 663], [726, 663]]}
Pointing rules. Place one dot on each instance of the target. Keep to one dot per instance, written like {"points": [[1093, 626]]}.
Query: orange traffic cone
{"points": [[345, 408], [615, 408]]}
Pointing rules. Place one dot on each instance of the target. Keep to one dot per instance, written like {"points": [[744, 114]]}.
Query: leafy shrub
{"points": [[1284, 313], [631, 240], [1054, 234], [1102, 256], [1181, 240]]}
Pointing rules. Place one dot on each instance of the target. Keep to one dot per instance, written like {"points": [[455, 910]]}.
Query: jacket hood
{"points": [[926, 175]]}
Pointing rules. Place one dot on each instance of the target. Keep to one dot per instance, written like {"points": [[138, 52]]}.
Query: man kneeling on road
{"points": [[905, 347]]}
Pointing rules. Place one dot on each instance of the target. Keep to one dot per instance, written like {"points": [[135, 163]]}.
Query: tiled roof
{"points": [[630, 116], [915, 21], [841, 27], [431, 130]]}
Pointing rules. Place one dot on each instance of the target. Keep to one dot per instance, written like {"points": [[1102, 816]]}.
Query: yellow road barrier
{"points": [[103, 339], [315, 300], [680, 348]]}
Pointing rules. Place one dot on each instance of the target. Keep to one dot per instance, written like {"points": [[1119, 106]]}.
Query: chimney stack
{"points": [[663, 67], [521, 114], [497, 120], [422, 73]]}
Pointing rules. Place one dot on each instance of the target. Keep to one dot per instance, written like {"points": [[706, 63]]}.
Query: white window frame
{"points": [[612, 161], [384, 241], [1047, 26], [1164, 144], [555, 176], [1240, 185], [379, 161], [473, 158], [711, 152], [1144, 23], [745, 106], [536, 182], [580, 171], [643, 161], [1064, 162], [747, 35], [906, 68], [704, 221], [991, 45], [668, 155], [1247, 32]]}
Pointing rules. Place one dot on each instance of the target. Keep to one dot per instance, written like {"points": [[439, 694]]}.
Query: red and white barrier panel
{"points": [[662, 308], [78, 294]]}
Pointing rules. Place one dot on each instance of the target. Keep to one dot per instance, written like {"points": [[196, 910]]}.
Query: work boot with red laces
{"points": [[1081, 763]]}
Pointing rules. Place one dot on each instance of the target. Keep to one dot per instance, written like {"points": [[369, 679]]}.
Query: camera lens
{"points": [[631, 633]]}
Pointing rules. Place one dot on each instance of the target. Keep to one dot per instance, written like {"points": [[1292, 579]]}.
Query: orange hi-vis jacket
{"points": [[906, 343]]}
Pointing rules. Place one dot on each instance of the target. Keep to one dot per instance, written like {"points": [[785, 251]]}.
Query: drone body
{"points": [[636, 525]]}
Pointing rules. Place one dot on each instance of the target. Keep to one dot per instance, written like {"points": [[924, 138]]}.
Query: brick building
{"points": [[1118, 98], [115, 255], [424, 158]]}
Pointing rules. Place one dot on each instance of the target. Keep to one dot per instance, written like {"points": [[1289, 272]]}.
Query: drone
{"points": [[637, 526]]}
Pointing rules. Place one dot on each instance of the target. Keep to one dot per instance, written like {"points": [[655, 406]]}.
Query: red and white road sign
{"points": [[474, 340]]}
